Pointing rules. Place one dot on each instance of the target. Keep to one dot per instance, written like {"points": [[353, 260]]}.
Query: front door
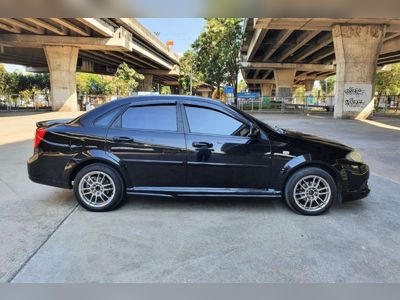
{"points": [[220, 152], [150, 144]]}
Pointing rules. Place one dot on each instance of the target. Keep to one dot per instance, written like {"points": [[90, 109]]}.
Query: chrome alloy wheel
{"points": [[97, 189], [312, 193]]}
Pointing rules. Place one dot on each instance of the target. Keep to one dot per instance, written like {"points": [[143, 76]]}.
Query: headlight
{"points": [[355, 157]]}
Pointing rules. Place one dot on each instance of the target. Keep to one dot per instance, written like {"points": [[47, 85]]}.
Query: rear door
{"points": [[148, 140], [220, 152]]}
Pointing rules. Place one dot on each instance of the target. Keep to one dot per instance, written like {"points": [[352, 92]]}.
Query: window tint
{"points": [[105, 119], [154, 117], [204, 120]]}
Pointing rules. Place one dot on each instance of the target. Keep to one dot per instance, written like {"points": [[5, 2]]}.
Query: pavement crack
{"points": [[42, 244]]}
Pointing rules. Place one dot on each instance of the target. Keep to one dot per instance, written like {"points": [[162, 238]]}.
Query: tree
{"points": [[125, 80], [328, 85], [165, 90], [188, 73], [217, 50], [91, 84], [388, 82], [242, 86]]}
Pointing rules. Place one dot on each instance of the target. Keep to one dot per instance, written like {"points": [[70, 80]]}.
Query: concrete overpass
{"points": [[278, 53], [63, 46]]}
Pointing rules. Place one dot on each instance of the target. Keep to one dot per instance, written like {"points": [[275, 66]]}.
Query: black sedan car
{"points": [[189, 146]]}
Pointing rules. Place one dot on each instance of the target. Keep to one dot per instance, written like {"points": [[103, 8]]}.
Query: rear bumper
{"points": [[46, 170]]}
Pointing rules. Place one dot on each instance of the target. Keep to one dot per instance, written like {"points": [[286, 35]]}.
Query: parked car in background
{"points": [[189, 146]]}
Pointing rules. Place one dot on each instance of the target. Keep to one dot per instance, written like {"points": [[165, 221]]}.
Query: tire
{"points": [[310, 191], [99, 187]]}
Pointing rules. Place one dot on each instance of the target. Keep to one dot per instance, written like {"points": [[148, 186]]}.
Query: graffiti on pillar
{"points": [[356, 96]]}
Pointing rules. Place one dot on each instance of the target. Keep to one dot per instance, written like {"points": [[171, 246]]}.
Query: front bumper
{"points": [[354, 180]]}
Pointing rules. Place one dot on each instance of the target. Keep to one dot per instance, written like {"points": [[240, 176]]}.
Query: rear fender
{"points": [[85, 158]]}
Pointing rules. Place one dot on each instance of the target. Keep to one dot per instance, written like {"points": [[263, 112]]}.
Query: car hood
{"points": [[305, 137]]}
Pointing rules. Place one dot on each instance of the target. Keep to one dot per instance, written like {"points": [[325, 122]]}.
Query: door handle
{"points": [[122, 139], [202, 145]]}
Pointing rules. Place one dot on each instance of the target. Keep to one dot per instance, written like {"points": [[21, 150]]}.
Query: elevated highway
{"points": [[278, 53], [63, 46]]}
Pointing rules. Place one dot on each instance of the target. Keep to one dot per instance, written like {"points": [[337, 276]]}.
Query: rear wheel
{"points": [[310, 191], [98, 187]]}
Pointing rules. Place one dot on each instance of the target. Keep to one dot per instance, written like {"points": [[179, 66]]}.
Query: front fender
{"points": [[302, 161]]}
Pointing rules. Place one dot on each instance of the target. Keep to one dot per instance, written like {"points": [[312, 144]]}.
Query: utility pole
{"points": [[191, 79]]}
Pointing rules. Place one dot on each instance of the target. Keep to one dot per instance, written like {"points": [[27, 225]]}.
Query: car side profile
{"points": [[189, 146]]}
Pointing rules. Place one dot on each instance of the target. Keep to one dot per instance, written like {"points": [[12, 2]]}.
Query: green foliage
{"points": [[91, 84], [299, 92], [328, 85], [217, 50], [242, 86], [125, 80], [165, 90], [388, 82], [188, 70]]}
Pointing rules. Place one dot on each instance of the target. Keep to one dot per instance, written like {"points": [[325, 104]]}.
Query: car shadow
{"points": [[203, 203]]}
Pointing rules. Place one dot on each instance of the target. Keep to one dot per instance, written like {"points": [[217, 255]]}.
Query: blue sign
{"points": [[228, 90], [248, 95]]}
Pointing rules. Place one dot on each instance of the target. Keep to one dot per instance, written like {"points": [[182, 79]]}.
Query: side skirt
{"points": [[202, 192]]}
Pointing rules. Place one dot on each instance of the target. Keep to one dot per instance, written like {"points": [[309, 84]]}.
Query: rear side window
{"points": [[152, 117], [209, 121], [105, 119]]}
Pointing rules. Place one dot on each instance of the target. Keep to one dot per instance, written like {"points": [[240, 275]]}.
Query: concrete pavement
{"points": [[44, 237]]}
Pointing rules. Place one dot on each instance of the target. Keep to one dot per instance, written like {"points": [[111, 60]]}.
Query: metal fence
{"points": [[288, 104], [23, 102]]}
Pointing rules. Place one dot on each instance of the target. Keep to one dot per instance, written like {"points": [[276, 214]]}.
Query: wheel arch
{"points": [[318, 164], [90, 161]]}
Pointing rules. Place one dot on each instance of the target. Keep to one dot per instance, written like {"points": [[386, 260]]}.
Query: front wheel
{"points": [[310, 191], [98, 187]]}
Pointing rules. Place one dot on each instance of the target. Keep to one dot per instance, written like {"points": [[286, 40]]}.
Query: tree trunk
{"points": [[218, 90]]}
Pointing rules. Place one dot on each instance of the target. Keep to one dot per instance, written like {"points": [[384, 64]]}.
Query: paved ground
{"points": [[45, 237]]}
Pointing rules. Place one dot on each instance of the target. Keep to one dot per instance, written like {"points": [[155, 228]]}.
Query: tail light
{"points": [[40, 132]]}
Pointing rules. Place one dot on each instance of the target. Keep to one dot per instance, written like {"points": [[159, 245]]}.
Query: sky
{"points": [[182, 31]]}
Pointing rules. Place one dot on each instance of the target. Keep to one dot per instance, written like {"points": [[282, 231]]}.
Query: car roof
{"points": [[91, 115]]}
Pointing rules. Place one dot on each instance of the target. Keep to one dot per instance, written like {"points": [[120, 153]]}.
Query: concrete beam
{"points": [[282, 36], [9, 28], [23, 25], [152, 56], [173, 72], [70, 26], [88, 43], [170, 82], [99, 26], [134, 26], [255, 43], [322, 42], [298, 67], [391, 45], [47, 26], [303, 39], [260, 81]]}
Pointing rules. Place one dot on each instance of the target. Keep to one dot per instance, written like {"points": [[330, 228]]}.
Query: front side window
{"points": [[209, 121], [153, 117]]}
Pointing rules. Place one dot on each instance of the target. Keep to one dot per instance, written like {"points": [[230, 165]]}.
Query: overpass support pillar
{"points": [[61, 61], [147, 83], [266, 89], [356, 49], [284, 79], [309, 84]]}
